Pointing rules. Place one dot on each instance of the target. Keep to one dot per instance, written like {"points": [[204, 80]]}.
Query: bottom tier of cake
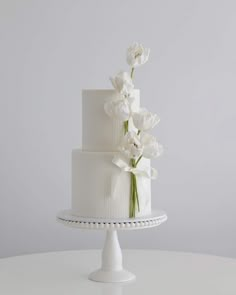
{"points": [[101, 189]]}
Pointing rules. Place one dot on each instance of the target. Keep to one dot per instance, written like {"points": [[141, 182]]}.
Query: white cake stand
{"points": [[112, 270]]}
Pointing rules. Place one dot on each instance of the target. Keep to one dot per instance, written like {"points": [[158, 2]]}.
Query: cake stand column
{"points": [[111, 269]]}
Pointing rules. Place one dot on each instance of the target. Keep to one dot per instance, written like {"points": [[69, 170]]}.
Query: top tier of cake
{"points": [[99, 131]]}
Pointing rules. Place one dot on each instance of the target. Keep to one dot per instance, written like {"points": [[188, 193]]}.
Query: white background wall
{"points": [[50, 50]]}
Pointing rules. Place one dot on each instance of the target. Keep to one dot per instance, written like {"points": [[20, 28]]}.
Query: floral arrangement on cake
{"points": [[136, 142]]}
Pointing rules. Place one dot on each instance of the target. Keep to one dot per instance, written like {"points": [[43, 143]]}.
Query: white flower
{"points": [[120, 109], [145, 120], [151, 148], [123, 83], [137, 55], [131, 146]]}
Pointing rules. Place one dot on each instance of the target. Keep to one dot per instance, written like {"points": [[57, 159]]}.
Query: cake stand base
{"points": [[111, 270], [111, 276]]}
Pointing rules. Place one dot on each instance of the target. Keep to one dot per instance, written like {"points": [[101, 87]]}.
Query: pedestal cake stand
{"points": [[111, 270]]}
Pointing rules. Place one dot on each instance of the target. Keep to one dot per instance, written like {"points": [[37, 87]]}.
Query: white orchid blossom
{"points": [[145, 145], [137, 55], [151, 148], [120, 109], [131, 146], [123, 84], [145, 120]]}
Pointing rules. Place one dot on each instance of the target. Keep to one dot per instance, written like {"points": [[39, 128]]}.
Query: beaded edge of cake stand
{"points": [[138, 224]]}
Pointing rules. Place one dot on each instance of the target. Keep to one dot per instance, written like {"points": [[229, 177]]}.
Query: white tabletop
{"points": [[158, 272]]}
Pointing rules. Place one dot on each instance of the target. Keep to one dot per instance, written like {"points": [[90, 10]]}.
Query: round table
{"points": [[157, 272]]}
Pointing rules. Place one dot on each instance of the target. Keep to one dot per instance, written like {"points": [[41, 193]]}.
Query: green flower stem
{"points": [[132, 73], [138, 132], [126, 126], [134, 199], [138, 160], [136, 192], [131, 197]]}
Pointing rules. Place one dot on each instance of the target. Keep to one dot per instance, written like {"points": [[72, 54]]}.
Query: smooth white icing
{"points": [[99, 131], [100, 189]]}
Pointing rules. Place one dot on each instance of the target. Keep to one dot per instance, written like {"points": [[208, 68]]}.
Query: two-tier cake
{"points": [[111, 173]]}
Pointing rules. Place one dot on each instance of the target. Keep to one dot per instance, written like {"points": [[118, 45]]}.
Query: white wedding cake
{"points": [[111, 173]]}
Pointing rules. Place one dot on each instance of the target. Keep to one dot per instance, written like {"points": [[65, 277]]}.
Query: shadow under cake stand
{"points": [[112, 270]]}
